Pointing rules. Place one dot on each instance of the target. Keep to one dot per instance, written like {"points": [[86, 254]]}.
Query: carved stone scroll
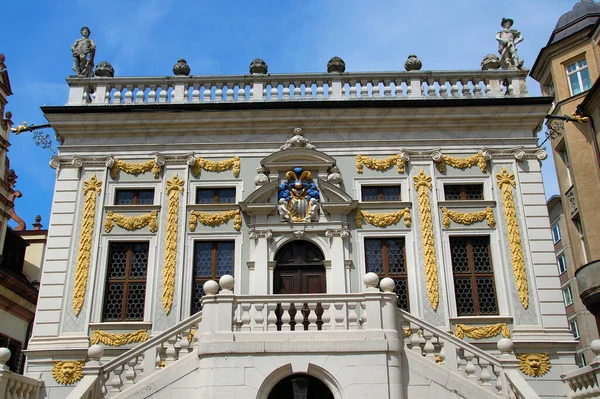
{"points": [[423, 187], [174, 190], [481, 332], [111, 339], [380, 164], [383, 219], [211, 166], [215, 219], [506, 182], [131, 222], [91, 189], [468, 218]]}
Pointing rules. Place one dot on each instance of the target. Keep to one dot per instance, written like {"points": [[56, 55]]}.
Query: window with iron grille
{"points": [[225, 195], [386, 257], [212, 259], [125, 293], [473, 276], [453, 192], [380, 193], [134, 197], [16, 361]]}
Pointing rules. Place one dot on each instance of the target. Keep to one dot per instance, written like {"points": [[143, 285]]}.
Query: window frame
{"points": [[575, 330], [578, 71], [385, 263], [569, 296], [564, 263], [136, 194], [126, 281], [217, 197], [113, 187], [401, 181], [463, 193], [235, 183], [473, 276], [380, 194], [556, 237]]}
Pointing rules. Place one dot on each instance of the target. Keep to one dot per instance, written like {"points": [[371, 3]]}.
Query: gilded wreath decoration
{"points": [[174, 189], [68, 372], [111, 339], [506, 182], [463, 163], [383, 219], [468, 218], [134, 168], [215, 219], [534, 364], [131, 222], [481, 332], [220, 166], [379, 164], [91, 189]]}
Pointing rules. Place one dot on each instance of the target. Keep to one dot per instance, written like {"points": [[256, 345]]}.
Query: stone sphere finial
{"points": [[211, 287], [4, 355], [336, 64], [371, 279], [387, 284], [595, 347], [490, 61], [95, 352], [104, 69], [258, 66], [227, 282], [181, 68], [413, 63], [505, 345]]}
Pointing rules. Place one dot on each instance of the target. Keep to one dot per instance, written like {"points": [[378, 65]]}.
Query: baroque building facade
{"points": [[334, 235]]}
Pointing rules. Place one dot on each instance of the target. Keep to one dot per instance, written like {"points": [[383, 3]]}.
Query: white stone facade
{"points": [[364, 353]]}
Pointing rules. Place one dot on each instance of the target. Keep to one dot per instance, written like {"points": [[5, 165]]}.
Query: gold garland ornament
{"points": [[211, 166], [379, 164], [91, 189], [111, 339], [134, 168], [215, 219], [480, 332], [383, 219], [534, 364], [68, 372], [463, 163], [468, 218], [506, 182], [174, 190], [423, 186], [131, 222]]}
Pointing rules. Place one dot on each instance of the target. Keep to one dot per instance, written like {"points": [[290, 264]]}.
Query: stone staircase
{"points": [[431, 361]]}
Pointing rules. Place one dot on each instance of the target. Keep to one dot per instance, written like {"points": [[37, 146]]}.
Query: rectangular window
{"points": [[473, 276], [125, 293], [224, 195], [574, 328], [212, 259], [16, 361], [562, 264], [453, 192], [386, 258], [567, 296], [578, 225], [580, 360], [380, 193], [134, 197], [579, 77], [555, 233]]}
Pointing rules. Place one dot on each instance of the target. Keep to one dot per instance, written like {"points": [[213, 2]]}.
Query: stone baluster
{"points": [[152, 94], [320, 90], [387, 88], [117, 95], [229, 94], [415, 340], [339, 314], [470, 368], [285, 91], [241, 93], [285, 317], [453, 87], [363, 315], [352, 89], [259, 318], [274, 91], [271, 316], [297, 93], [352, 316], [485, 375], [245, 317], [443, 88], [498, 385], [308, 90], [115, 383], [428, 348], [466, 89], [312, 316], [431, 87], [206, 93], [185, 342], [163, 95], [130, 373], [128, 98], [326, 317], [364, 88], [296, 318], [477, 92], [171, 351], [375, 93], [218, 92], [398, 91], [140, 94]]}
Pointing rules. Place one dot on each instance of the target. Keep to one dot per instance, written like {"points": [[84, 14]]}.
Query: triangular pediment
{"points": [[298, 157]]}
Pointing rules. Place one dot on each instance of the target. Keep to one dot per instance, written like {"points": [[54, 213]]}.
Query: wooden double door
{"points": [[299, 269]]}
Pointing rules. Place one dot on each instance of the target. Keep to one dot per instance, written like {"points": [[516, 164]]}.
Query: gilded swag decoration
{"points": [[174, 190], [380, 164], [468, 218], [91, 189], [134, 168], [463, 163], [423, 187], [131, 222], [215, 219], [111, 339], [382, 219], [220, 166], [481, 332], [506, 182]]}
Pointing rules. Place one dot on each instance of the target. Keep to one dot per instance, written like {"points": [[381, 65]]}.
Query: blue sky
{"points": [[144, 38]]}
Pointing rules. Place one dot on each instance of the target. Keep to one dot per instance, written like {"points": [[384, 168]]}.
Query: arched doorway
{"points": [[299, 269], [300, 386]]}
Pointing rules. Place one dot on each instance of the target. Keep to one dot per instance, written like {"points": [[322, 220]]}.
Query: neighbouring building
{"points": [[322, 235], [567, 68]]}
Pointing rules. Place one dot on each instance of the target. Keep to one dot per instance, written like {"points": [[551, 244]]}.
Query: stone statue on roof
{"points": [[84, 50], [507, 45]]}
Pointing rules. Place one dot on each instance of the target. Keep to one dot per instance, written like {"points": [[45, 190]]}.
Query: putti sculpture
{"points": [[84, 50], [298, 197], [507, 45]]}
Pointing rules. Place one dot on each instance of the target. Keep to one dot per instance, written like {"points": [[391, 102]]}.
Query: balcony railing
{"points": [[16, 386], [297, 87], [585, 382]]}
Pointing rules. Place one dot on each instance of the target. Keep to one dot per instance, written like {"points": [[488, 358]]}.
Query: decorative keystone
{"points": [[371, 280], [211, 287], [104, 70], [227, 283], [181, 68], [258, 66], [336, 65], [413, 63]]}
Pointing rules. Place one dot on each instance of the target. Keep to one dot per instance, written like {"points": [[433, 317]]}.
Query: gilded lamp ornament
{"points": [[68, 372]]}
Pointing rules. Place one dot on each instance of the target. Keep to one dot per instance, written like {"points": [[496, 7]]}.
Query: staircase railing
{"points": [[585, 382], [13, 385], [493, 373]]}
